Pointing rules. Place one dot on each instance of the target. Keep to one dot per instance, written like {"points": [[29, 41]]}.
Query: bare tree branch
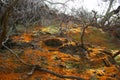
{"points": [[109, 7], [58, 75], [3, 44], [56, 3], [116, 54]]}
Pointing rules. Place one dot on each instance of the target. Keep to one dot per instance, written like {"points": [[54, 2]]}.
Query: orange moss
{"points": [[54, 60], [11, 76], [25, 37]]}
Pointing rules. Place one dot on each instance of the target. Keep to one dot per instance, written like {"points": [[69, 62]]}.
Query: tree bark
{"points": [[109, 13], [4, 21]]}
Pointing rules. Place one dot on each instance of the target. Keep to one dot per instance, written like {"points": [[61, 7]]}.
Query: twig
{"points": [[110, 54], [116, 54], [106, 52], [84, 27], [56, 74], [56, 3], [3, 44], [32, 71], [106, 62]]}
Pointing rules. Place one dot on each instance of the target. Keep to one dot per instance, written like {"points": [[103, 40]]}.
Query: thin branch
{"points": [[32, 71], [110, 54], [83, 34], [110, 6], [3, 44], [116, 54], [106, 62], [3, 2], [106, 52], [58, 75], [55, 3]]}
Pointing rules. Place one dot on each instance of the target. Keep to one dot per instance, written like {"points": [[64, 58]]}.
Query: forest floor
{"points": [[44, 46]]}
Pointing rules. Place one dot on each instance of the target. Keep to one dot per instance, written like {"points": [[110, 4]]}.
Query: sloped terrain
{"points": [[59, 54]]}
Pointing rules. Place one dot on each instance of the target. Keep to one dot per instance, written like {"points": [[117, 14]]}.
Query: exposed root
{"points": [[3, 44], [32, 71], [57, 74]]}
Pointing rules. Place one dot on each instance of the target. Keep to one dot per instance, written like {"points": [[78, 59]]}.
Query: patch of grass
{"points": [[51, 29], [96, 37]]}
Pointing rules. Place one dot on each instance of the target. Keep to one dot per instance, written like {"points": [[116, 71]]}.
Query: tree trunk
{"points": [[4, 20], [110, 6], [108, 14], [83, 34]]}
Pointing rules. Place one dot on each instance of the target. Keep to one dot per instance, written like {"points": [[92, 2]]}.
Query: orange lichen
{"points": [[52, 59], [26, 37], [11, 76]]}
